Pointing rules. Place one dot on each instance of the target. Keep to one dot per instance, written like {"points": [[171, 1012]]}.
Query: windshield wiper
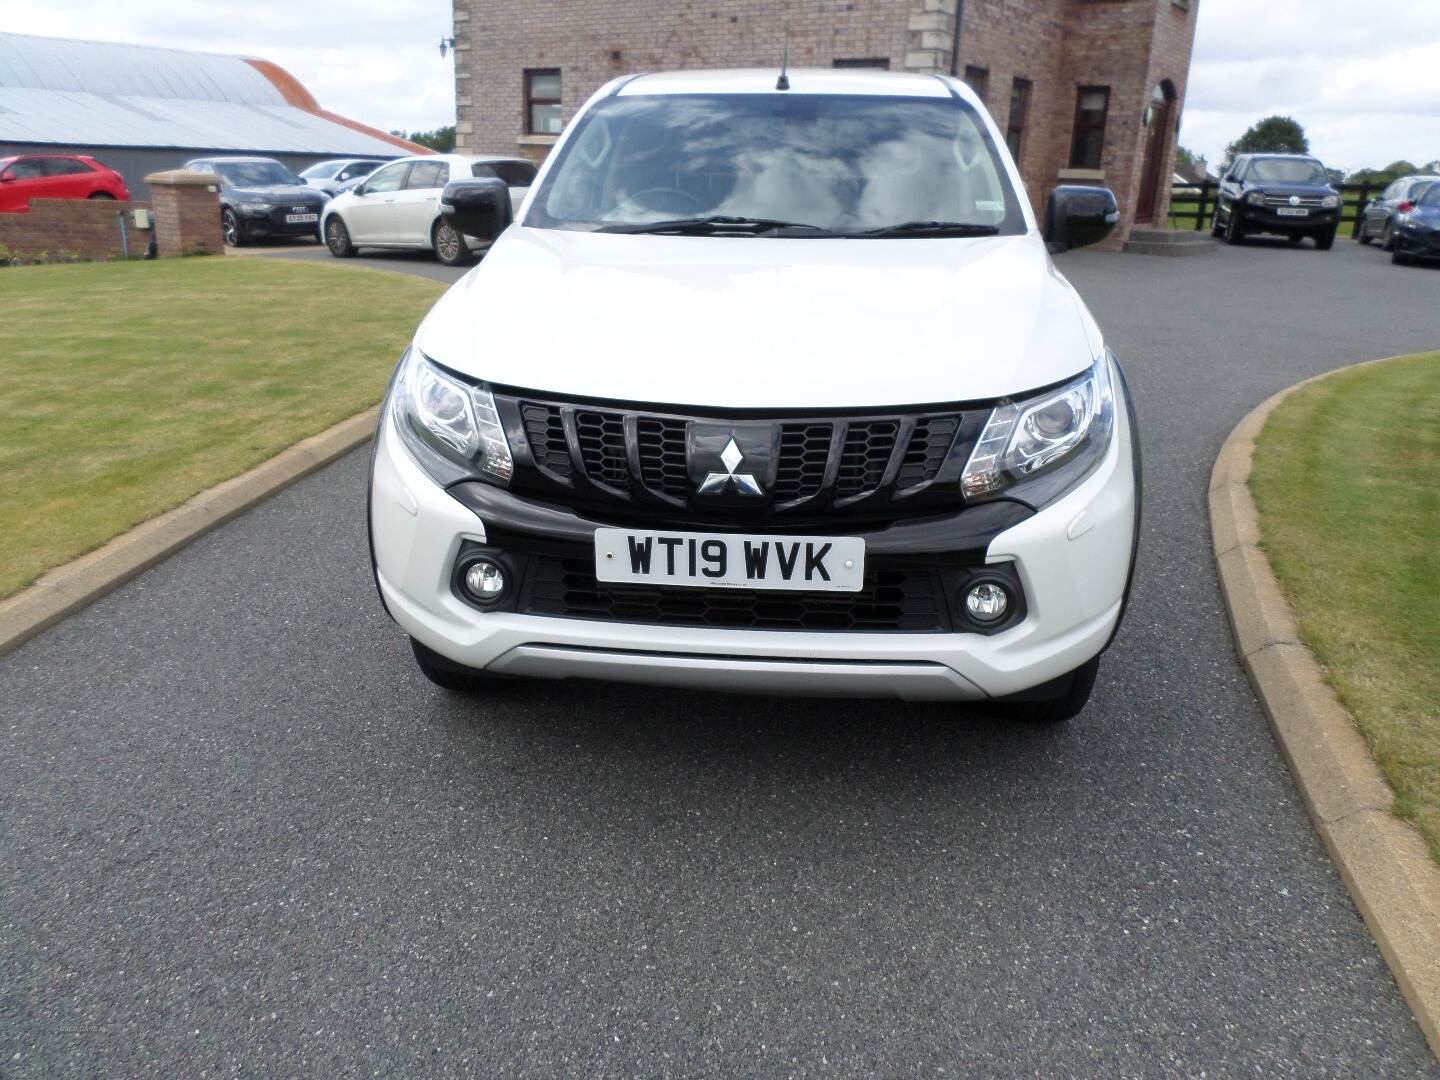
{"points": [[929, 228], [708, 225]]}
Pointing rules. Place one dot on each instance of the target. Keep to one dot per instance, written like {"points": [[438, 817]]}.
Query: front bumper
{"points": [[1265, 219], [1073, 559], [272, 223], [1417, 243]]}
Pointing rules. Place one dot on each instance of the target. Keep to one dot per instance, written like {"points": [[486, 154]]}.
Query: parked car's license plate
{"points": [[728, 560], [1292, 211], [301, 219]]}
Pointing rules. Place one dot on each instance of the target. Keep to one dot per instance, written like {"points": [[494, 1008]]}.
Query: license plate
{"points": [[1292, 211], [301, 219], [730, 560]]}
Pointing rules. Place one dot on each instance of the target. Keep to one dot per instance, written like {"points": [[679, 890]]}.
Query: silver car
{"points": [[340, 174]]}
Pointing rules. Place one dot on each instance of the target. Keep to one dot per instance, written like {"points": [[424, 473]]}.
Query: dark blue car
{"points": [[1417, 233], [1286, 194]]}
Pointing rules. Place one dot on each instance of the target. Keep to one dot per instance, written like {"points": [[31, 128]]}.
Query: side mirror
{"points": [[1078, 216], [479, 208]]}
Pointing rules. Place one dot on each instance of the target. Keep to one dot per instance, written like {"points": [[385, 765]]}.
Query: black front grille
{"points": [[804, 452], [546, 432], [618, 454], [908, 601], [602, 448]]}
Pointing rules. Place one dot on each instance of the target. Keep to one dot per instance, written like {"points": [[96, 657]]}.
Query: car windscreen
{"points": [[323, 171], [840, 163], [1432, 195], [1287, 171], [254, 173]]}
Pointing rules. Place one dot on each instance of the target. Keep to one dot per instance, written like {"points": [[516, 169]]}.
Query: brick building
{"points": [[1086, 91]]}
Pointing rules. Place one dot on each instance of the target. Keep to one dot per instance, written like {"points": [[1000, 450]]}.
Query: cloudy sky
{"points": [[1366, 88]]}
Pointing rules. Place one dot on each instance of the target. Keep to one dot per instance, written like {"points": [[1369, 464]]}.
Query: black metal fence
{"points": [[1193, 205]]}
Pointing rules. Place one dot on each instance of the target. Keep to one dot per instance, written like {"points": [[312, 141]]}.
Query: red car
{"points": [[55, 176]]}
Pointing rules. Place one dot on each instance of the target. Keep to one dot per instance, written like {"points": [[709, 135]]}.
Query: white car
{"points": [[398, 205], [766, 388]]}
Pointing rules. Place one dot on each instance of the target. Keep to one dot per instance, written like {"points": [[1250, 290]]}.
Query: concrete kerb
{"points": [[66, 589], [1384, 863]]}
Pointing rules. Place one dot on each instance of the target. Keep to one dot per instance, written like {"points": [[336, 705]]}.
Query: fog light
{"points": [[484, 581], [987, 602]]}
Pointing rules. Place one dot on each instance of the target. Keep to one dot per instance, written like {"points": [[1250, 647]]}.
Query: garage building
{"points": [[140, 109]]}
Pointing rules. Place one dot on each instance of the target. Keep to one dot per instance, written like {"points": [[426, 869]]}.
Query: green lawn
{"points": [[1347, 480], [126, 388]]}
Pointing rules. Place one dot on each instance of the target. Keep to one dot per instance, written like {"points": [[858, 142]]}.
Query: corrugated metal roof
{"points": [[85, 93]]}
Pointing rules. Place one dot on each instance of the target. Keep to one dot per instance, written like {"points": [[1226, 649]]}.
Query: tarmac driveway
{"points": [[240, 835]]}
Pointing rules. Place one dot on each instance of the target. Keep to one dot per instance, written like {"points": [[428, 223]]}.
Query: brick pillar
{"points": [[187, 213]]}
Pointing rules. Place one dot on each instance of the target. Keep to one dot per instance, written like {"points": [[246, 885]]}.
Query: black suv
{"points": [[1286, 194], [260, 198]]}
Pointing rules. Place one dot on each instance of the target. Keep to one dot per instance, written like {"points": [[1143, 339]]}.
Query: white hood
{"points": [[758, 322]]}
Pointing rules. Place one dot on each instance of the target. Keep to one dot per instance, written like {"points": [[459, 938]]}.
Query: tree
{"points": [[1393, 171], [441, 140], [1185, 156], [1273, 135]]}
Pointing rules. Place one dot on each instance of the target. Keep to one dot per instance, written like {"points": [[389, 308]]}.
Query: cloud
{"points": [[1364, 86], [375, 61]]}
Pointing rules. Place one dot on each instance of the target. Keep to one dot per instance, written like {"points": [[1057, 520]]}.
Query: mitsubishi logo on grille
{"points": [[731, 458], [1294, 200]]}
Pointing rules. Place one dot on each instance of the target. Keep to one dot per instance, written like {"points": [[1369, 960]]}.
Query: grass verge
{"points": [[1347, 482], [127, 388]]}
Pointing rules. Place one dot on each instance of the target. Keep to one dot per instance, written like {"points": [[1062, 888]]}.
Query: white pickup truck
{"points": [[770, 385]]}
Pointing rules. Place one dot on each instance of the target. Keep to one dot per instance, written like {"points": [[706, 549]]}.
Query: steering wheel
{"points": [[671, 201]]}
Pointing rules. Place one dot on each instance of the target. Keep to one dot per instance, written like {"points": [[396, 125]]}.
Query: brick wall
{"points": [[86, 228], [1058, 45]]}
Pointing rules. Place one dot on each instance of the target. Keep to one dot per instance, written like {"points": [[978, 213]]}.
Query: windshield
{"points": [[323, 171], [254, 173], [1287, 171], [1432, 195], [833, 162]]}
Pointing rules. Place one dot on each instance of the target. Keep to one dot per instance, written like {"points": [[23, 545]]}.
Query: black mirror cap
{"points": [[479, 207], [1078, 216]]}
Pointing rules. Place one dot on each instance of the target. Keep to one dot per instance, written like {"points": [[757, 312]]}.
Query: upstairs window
{"points": [[1092, 103], [542, 102], [1019, 110]]}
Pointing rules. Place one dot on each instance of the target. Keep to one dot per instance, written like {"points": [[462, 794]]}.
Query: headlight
{"points": [[451, 418], [1330, 202], [255, 207], [1025, 439], [1255, 198]]}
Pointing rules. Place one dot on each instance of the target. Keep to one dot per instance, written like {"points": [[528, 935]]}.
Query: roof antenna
{"points": [[783, 82]]}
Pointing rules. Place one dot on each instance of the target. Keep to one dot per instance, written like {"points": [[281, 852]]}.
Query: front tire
{"points": [[1073, 693], [1216, 229], [1387, 238], [1325, 240], [1234, 231], [1363, 236], [337, 238], [1398, 258], [446, 674], [230, 226], [450, 247]]}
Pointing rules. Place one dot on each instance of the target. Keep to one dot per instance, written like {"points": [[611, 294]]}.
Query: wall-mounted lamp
{"points": [[447, 44]]}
